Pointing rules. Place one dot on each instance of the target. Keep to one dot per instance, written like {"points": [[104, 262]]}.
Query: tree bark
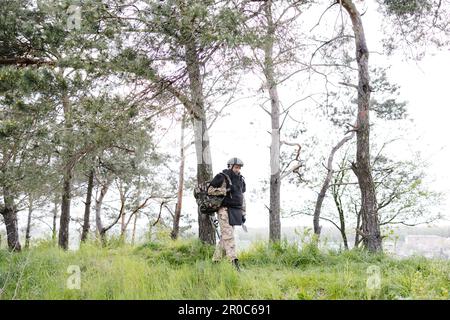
{"points": [[275, 181], [138, 201], [24, 62], [28, 230], [370, 223], [326, 183], [204, 161], [55, 216], [98, 212], [64, 220], [87, 207], [133, 234], [338, 203], [358, 227], [177, 214], [98, 209], [123, 225], [9, 212]]}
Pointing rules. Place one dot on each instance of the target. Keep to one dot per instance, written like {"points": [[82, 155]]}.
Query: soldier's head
{"points": [[235, 164]]}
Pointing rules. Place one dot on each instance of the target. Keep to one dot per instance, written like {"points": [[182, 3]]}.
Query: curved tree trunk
{"points": [[369, 216], [326, 184], [98, 212]]}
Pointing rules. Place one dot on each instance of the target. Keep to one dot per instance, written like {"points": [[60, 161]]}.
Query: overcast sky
{"points": [[243, 132], [424, 84]]}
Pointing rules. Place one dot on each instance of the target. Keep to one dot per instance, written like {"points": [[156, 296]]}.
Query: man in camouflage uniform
{"points": [[232, 211]]}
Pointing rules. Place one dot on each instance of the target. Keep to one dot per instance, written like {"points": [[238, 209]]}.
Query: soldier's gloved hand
{"points": [[243, 219]]}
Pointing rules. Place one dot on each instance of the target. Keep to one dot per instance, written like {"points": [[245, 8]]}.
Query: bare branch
{"points": [[159, 215]]}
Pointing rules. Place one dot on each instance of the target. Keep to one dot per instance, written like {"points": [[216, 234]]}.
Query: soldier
{"points": [[232, 210]]}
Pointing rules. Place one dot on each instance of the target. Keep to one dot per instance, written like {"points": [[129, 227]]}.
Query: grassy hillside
{"points": [[182, 270]]}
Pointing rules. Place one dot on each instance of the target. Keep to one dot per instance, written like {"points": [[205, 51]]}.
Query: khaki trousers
{"points": [[226, 244]]}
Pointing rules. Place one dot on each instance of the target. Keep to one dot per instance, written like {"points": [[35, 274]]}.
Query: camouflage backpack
{"points": [[209, 199]]}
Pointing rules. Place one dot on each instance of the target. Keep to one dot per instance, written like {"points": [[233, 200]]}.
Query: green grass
{"points": [[183, 270]]}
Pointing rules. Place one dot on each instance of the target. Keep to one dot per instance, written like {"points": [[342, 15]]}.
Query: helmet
{"points": [[235, 161]]}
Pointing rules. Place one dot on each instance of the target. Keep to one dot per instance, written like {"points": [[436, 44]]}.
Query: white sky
{"points": [[243, 133], [423, 84]]}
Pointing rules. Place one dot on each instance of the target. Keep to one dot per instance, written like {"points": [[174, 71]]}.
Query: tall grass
{"points": [[183, 270]]}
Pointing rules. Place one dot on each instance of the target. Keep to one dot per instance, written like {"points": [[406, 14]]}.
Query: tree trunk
{"points": [[98, 211], [275, 181], [358, 227], [370, 223], [67, 178], [177, 215], [9, 212], [28, 230], [55, 216], [87, 207], [343, 232], [123, 224], [65, 211], [12, 231], [123, 227], [326, 184], [204, 161], [338, 202], [133, 235], [138, 201]]}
